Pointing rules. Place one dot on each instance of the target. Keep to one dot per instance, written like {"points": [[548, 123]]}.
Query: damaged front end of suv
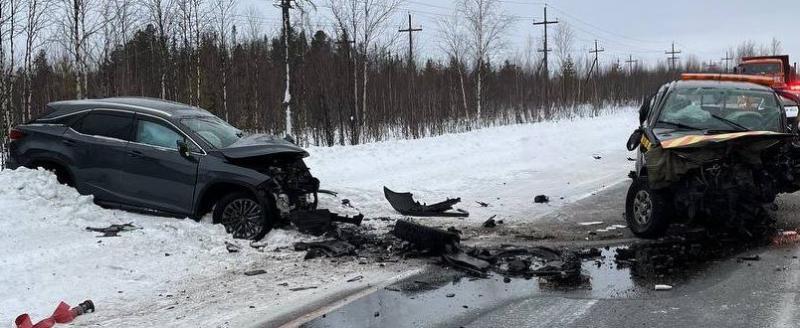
{"points": [[710, 152]]}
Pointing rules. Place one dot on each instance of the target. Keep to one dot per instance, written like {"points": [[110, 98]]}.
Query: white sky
{"points": [[642, 28]]}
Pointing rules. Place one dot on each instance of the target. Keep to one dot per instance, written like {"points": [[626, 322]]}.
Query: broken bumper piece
{"points": [[318, 222], [405, 204]]}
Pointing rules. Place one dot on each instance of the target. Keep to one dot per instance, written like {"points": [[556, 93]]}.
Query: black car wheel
{"points": [[243, 216], [647, 212]]}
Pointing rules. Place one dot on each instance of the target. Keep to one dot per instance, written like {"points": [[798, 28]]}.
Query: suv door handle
{"points": [[135, 154], [68, 142]]}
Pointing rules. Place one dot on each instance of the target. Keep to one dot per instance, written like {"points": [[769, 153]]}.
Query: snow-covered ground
{"points": [[178, 272], [505, 167]]}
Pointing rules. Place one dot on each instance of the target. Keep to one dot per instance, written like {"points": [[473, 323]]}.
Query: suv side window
{"points": [[151, 132], [106, 124]]}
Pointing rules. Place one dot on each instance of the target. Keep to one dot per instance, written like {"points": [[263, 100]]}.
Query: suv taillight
{"points": [[15, 134]]}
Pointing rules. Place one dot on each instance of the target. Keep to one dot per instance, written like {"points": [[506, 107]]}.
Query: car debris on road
{"points": [[406, 205], [114, 229]]}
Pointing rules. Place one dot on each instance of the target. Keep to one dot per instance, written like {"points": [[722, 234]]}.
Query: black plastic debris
{"points": [[597, 157], [254, 272], [320, 221], [302, 288], [356, 278], [406, 205], [482, 204], [329, 248], [490, 223], [540, 199], [114, 229], [526, 262], [232, 248], [423, 237]]}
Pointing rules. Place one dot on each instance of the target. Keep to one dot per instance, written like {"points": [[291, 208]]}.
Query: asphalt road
{"points": [[724, 292]]}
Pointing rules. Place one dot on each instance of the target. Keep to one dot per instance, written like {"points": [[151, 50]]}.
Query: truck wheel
{"points": [[243, 216], [647, 212]]}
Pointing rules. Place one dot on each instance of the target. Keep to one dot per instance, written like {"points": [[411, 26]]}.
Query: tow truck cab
{"points": [[778, 68]]}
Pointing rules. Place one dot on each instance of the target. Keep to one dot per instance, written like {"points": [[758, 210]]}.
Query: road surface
{"points": [[726, 292]]}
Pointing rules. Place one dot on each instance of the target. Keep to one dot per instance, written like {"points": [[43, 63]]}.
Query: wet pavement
{"points": [[715, 281]]}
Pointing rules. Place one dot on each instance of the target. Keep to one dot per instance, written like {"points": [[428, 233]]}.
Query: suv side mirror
{"points": [[183, 149], [635, 139]]}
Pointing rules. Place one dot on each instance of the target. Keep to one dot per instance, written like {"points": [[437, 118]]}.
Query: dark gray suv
{"points": [[168, 158]]}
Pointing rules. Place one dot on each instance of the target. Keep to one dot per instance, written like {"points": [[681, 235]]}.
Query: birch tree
{"points": [[485, 25], [366, 20], [79, 24], [223, 14], [36, 20], [161, 13], [454, 44]]}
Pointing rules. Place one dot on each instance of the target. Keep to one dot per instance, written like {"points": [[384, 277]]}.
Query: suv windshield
{"points": [[213, 130], [724, 109]]}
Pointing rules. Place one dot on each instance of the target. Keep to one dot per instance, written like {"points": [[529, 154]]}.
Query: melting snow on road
{"points": [[178, 272]]}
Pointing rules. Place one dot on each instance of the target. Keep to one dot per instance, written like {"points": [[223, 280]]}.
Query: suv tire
{"points": [[648, 212], [243, 216]]}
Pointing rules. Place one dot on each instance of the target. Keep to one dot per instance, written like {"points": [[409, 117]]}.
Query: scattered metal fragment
{"points": [[114, 229], [450, 295], [590, 223], [356, 278], [406, 205], [329, 248], [232, 248], [663, 287], [320, 221], [750, 258], [541, 199], [297, 289], [597, 157], [482, 204], [254, 272]]}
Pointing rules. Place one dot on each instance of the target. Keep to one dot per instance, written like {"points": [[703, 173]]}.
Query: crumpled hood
{"points": [[255, 145], [695, 141]]}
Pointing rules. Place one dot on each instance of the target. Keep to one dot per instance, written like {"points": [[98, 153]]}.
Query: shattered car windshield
{"points": [[213, 130], [721, 109]]}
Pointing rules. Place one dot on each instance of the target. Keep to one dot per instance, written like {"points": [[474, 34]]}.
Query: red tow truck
{"points": [[783, 74]]}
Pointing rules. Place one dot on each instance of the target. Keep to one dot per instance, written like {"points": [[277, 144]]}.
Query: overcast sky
{"points": [[641, 28]]}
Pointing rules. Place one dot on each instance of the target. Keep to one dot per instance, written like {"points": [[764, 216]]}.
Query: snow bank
{"points": [[504, 166], [162, 273]]}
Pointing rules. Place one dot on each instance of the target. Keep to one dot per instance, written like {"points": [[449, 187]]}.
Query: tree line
{"points": [[348, 86]]}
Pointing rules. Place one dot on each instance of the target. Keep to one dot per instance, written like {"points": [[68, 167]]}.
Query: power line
{"points": [[727, 59], [630, 63], [596, 53]]}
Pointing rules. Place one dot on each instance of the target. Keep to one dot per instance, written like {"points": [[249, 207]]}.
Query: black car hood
{"points": [[255, 145]]}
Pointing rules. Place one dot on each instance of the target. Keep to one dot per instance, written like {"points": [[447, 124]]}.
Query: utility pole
{"points": [[410, 32], [630, 62], [672, 58], [726, 59], [545, 50], [596, 63]]}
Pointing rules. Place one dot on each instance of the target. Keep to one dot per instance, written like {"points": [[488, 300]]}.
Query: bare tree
{"points": [[190, 27], [454, 44], [223, 14], [775, 47], [745, 49], [161, 13], [564, 40], [79, 24], [366, 21], [36, 21], [485, 27], [253, 23]]}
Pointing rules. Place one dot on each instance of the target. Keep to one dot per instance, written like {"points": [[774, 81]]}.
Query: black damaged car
{"points": [[168, 158], [713, 150]]}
